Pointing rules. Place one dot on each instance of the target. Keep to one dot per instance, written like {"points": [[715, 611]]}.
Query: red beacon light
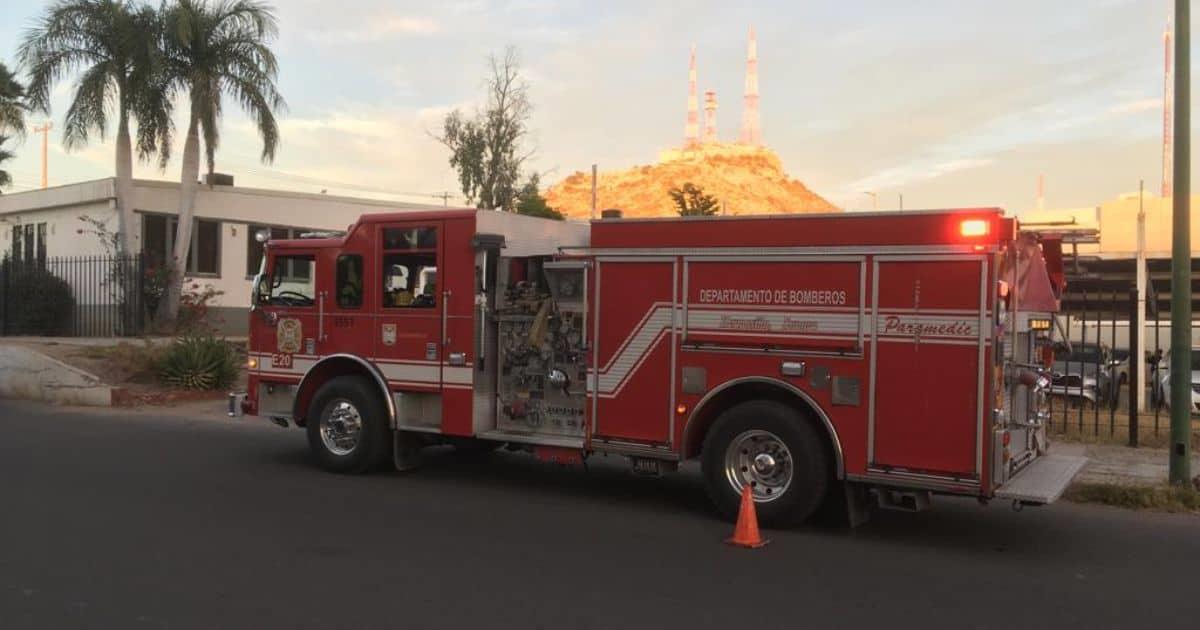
{"points": [[974, 227]]}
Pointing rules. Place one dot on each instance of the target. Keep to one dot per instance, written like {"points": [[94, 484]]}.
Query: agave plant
{"points": [[199, 363]]}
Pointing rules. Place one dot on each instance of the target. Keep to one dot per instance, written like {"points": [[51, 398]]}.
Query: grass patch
{"points": [[1159, 498]]}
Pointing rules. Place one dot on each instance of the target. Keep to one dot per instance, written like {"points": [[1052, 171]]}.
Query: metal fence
{"points": [[74, 296], [1097, 358]]}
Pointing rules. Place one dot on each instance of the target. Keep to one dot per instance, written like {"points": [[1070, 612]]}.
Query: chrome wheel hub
{"points": [[341, 426], [761, 460]]}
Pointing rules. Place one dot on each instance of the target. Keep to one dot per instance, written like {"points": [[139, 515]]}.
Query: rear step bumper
{"points": [[1044, 480]]}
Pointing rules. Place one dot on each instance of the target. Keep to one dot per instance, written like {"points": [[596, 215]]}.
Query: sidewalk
{"points": [[1121, 465]]}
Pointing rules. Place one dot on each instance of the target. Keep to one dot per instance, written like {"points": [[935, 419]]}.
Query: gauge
{"points": [[566, 288]]}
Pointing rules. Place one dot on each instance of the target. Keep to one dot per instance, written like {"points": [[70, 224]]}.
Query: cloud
{"points": [[376, 28], [357, 149], [1133, 107], [914, 171]]}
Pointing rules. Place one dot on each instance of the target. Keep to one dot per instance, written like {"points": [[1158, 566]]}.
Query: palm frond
{"points": [[219, 48], [114, 47]]}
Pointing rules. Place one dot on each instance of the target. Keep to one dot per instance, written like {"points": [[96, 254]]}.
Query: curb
{"points": [[28, 374]]}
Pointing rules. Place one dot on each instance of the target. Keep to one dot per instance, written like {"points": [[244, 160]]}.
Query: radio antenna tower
{"points": [[691, 132], [751, 126], [710, 117], [1168, 123]]}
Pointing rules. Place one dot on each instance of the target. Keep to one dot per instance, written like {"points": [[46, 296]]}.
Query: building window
{"points": [[204, 255], [29, 243], [349, 281]]}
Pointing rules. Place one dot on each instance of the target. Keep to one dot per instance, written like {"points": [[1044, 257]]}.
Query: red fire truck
{"points": [[857, 358]]}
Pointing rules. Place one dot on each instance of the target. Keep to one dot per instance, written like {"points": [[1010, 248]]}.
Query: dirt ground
{"points": [[125, 363]]}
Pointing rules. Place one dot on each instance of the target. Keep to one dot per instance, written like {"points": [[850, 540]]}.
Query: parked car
{"points": [[1090, 372], [1165, 383]]}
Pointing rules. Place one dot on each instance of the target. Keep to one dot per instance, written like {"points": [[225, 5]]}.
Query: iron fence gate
{"points": [[1098, 355], [73, 296]]}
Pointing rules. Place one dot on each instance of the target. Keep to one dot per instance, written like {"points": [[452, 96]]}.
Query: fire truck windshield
{"points": [[291, 282]]}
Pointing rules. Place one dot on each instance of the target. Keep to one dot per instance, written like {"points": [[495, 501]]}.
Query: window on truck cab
{"points": [[349, 281], [291, 281], [410, 267]]}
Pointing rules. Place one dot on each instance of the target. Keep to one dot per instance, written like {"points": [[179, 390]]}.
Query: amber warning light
{"points": [[973, 227]]}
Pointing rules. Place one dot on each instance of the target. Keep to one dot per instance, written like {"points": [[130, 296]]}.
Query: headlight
{"points": [[1196, 388]]}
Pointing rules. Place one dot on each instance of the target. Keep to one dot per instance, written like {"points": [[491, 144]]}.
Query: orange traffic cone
{"points": [[745, 533]]}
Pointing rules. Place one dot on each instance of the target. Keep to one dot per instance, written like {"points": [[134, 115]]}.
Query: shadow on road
{"points": [[954, 523]]}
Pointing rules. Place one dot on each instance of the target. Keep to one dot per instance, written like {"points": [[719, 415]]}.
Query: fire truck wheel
{"points": [[773, 449], [347, 426]]}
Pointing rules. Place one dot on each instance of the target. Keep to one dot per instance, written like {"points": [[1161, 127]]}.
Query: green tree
{"points": [[114, 48], [486, 148], [531, 202], [12, 103], [212, 49], [690, 201], [5, 178]]}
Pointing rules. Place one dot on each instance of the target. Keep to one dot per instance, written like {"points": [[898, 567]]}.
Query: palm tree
{"points": [[12, 102], [5, 178], [114, 48], [12, 116], [215, 48]]}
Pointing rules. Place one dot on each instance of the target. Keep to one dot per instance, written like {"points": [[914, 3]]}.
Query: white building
{"points": [[224, 253]]}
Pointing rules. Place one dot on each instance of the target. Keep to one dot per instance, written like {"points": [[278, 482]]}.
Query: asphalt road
{"points": [[150, 518]]}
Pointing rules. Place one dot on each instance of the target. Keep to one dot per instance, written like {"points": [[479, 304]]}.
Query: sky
{"points": [[950, 103]]}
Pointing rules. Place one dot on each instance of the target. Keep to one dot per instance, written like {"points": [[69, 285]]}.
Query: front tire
{"points": [[347, 426], [775, 450]]}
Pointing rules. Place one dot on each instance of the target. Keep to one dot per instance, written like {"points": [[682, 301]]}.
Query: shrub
{"points": [[37, 302], [200, 363], [194, 316]]}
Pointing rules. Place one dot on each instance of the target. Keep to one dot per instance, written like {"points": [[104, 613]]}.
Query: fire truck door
{"points": [[290, 315], [409, 303], [635, 308], [927, 357], [342, 280]]}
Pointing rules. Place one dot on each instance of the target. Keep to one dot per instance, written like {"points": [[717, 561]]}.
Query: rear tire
{"points": [[347, 426], [777, 451]]}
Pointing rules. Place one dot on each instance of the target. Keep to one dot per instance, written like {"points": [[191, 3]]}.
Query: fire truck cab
{"points": [[835, 357]]}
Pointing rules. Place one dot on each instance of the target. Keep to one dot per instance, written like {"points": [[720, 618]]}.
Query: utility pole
{"points": [[1181, 255], [45, 131], [901, 202]]}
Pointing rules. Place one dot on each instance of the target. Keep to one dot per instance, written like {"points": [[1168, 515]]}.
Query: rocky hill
{"points": [[747, 180]]}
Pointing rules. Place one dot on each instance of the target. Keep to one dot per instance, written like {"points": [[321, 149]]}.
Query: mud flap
{"points": [[846, 504], [858, 504], [406, 450]]}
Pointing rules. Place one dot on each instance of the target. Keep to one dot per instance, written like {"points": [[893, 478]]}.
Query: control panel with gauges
{"points": [[542, 380]]}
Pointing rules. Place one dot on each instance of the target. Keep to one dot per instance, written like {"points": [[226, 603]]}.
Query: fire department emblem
{"points": [[389, 334], [287, 336]]}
